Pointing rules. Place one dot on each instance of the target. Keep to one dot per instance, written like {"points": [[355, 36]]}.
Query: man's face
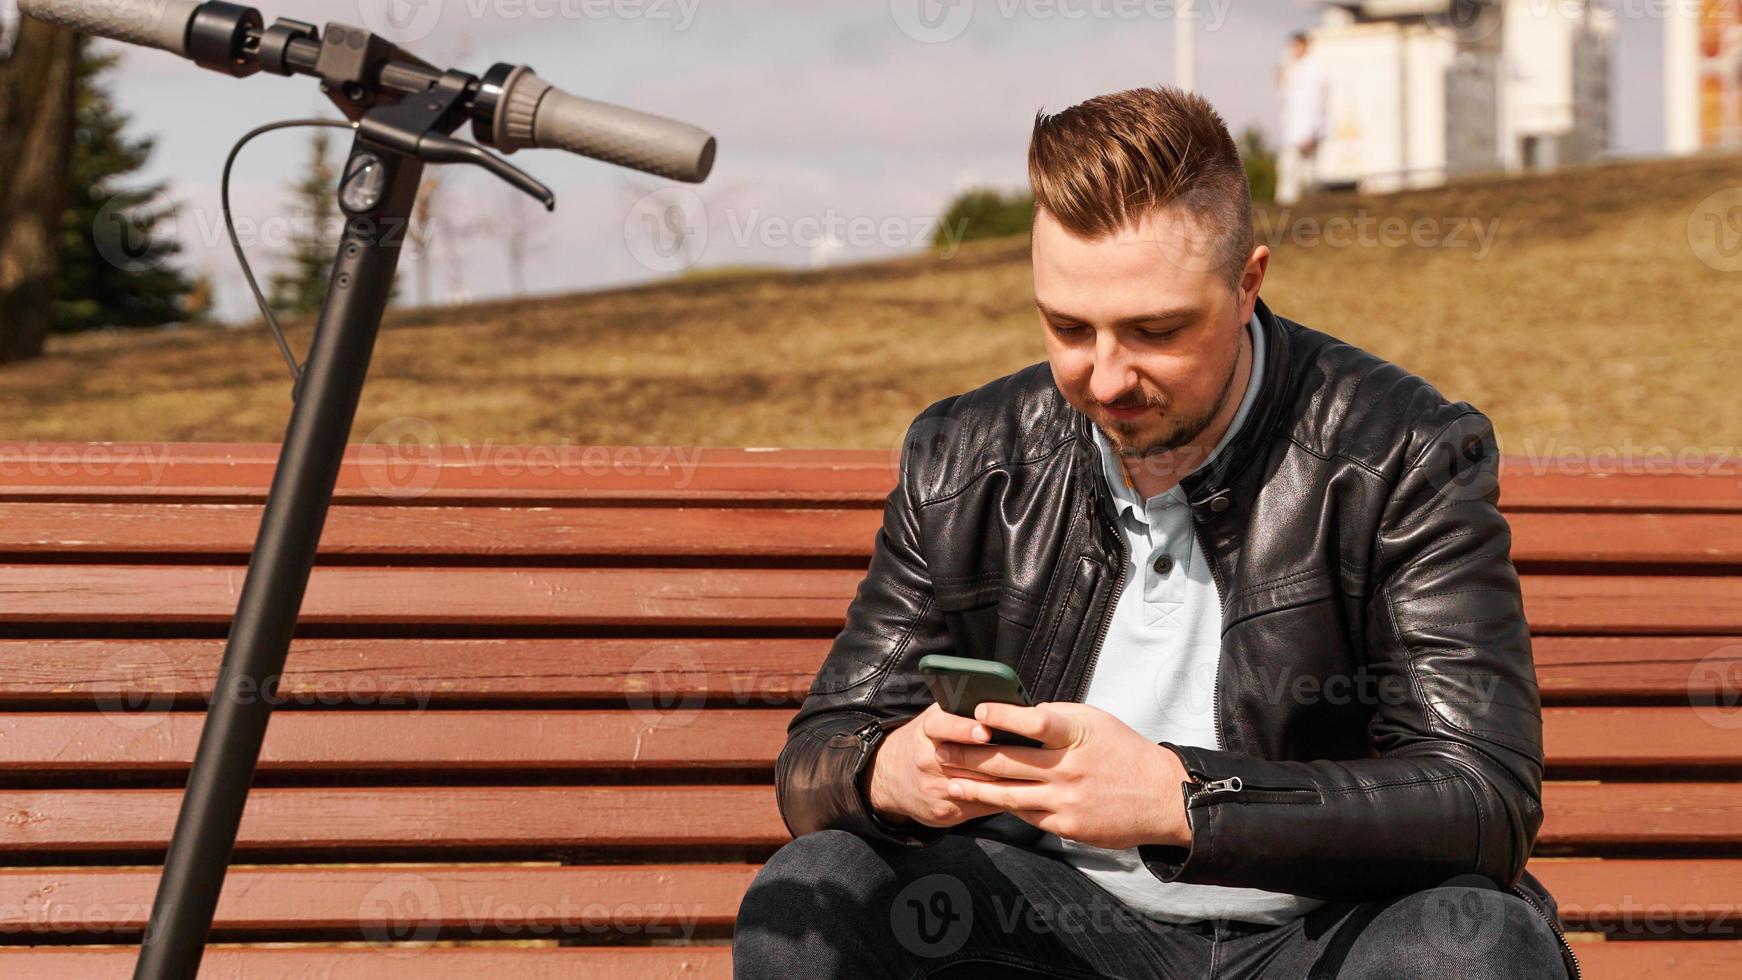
{"points": [[1142, 328]]}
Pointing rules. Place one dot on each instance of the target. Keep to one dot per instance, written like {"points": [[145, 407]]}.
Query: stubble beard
{"points": [[1122, 434]]}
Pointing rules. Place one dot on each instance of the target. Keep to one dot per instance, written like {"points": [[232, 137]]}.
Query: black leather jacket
{"points": [[1375, 696]]}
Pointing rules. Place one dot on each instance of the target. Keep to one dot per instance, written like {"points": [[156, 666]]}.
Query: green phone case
{"points": [[960, 684]]}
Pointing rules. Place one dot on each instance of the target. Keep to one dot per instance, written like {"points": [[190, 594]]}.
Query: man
{"points": [[1305, 102], [1256, 581]]}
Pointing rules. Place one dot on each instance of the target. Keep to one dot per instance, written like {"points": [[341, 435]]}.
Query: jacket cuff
{"points": [[1169, 861], [866, 823], [1219, 796]]}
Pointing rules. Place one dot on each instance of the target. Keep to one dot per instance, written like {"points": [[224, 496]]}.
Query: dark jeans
{"points": [[831, 904]]}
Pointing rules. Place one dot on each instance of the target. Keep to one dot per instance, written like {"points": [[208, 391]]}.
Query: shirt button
{"points": [[1164, 563]]}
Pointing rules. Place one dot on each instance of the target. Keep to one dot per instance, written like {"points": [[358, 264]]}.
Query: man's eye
{"points": [[1065, 331], [1156, 334]]}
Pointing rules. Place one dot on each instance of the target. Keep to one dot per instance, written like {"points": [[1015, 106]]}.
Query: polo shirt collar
{"points": [[1124, 497]]}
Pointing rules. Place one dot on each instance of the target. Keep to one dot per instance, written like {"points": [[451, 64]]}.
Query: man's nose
{"points": [[1112, 376]]}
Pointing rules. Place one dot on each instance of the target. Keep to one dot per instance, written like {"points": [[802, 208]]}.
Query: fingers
{"points": [[1053, 729], [998, 761], [1002, 795], [941, 726]]}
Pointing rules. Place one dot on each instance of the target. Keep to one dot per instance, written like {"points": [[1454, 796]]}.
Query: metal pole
{"points": [[376, 195], [1185, 50]]}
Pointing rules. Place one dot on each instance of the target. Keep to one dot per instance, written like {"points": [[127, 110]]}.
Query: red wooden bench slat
{"points": [[690, 597], [394, 740], [684, 597], [1598, 892], [1659, 960], [659, 733], [1636, 960], [1606, 539], [77, 673], [1571, 668], [413, 532], [371, 963], [655, 737], [1590, 892], [379, 474], [481, 901], [360, 820], [76, 471]]}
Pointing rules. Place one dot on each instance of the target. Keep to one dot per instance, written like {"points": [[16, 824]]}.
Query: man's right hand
{"points": [[908, 784]]}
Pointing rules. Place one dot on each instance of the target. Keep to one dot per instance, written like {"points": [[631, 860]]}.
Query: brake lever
{"points": [[436, 148]]}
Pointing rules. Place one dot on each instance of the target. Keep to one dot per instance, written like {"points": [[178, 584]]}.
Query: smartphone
{"points": [[960, 684]]}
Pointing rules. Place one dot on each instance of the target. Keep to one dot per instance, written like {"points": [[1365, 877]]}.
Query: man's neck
{"points": [[1161, 472]]}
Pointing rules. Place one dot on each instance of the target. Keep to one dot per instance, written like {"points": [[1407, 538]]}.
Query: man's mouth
{"points": [[1127, 413]]}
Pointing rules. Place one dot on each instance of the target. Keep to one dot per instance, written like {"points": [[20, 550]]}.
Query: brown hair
{"points": [[1100, 166]]}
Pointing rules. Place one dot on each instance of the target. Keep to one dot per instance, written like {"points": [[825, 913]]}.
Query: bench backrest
{"points": [[537, 693]]}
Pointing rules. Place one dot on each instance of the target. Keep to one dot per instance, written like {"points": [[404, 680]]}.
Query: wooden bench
{"points": [[528, 727]]}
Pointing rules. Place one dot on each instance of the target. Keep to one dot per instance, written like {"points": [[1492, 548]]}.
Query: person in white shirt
{"points": [[1305, 98]]}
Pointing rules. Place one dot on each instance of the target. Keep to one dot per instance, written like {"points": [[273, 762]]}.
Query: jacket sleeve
{"points": [[869, 683], [1455, 785]]}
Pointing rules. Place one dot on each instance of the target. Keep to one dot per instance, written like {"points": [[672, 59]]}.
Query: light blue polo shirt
{"points": [[1157, 673]]}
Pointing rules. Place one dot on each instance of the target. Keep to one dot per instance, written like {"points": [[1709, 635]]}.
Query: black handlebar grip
{"points": [[161, 24]]}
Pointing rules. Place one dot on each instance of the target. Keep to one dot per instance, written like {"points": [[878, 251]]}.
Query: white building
{"points": [[1423, 90], [1703, 75]]}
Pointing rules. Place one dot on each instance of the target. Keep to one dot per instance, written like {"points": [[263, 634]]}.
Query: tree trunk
{"points": [[36, 140]]}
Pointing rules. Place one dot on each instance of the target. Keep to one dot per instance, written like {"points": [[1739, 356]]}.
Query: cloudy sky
{"points": [[857, 119]]}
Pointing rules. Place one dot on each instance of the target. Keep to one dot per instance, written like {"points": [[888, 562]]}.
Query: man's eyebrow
{"points": [[1169, 314]]}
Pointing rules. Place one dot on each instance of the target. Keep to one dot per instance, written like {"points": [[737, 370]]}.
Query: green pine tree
{"points": [[314, 235], [1260, 162], [116, 258]]}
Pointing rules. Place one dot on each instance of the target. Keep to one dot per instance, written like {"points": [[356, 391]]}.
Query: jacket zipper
{"points": [[1216, 581], [1566, 947], [1112, 602]]}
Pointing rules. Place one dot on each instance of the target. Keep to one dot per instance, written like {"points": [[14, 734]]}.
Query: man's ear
{"points": [[1252, 281]]}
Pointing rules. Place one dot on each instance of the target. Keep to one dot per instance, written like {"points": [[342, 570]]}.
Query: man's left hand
{"points": [[1095, 780]]}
